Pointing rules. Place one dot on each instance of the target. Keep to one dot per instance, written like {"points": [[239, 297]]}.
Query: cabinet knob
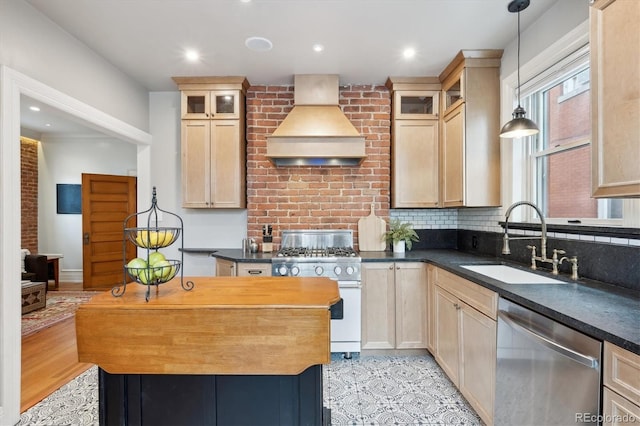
{"points": [[397, 267], [391, 267]]}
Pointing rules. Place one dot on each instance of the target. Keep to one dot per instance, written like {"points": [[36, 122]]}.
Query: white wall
{"points": [[63, 159], [561, 18], [32, 44], [40, 60], [203, 228]]}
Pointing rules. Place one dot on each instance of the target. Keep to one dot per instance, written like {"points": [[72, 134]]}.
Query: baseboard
{"points": [[71, 276]]}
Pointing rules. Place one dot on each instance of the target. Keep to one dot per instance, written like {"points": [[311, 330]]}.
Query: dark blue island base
{"points": [[224, 400]]}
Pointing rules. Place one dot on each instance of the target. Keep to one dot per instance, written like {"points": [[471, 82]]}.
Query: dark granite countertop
{"points": [[600, 310]]}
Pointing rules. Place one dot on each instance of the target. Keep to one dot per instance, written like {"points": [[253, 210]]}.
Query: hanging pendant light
{"points": [[520, 125]]}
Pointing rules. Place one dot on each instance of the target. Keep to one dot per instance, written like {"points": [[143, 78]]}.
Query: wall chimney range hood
{"points": [[316, 132]]}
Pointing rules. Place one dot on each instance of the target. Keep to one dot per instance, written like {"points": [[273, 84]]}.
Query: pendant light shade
{"points": [[519, 126]]}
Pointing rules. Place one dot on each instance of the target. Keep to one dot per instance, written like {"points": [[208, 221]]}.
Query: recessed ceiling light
{"points": [[192, 55], [318, 47], [48, 125], [259, 44], [245, 1], [34, 108], [409, 53]]}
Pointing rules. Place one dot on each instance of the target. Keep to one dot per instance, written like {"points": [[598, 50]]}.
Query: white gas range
{"points": [[330, 254]]}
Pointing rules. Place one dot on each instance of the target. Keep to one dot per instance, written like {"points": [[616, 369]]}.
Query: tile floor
{"points": [[382, 390], [387, 390]]}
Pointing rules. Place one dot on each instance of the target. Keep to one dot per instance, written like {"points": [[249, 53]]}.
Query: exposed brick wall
{"points": [[29, 199], [317, 197]]}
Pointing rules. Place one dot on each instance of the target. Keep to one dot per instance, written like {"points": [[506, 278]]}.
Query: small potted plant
{"points": [[401, 235]]}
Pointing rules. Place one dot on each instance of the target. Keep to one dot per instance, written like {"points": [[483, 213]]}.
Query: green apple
{"points": [[136, 265], [146, 276], [162, 269], [156, 257]]}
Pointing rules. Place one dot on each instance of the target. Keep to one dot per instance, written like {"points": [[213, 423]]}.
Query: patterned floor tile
{"points": [[380, 390]]}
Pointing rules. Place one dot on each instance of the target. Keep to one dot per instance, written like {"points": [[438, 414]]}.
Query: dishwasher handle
{"points": [[514, 322]]}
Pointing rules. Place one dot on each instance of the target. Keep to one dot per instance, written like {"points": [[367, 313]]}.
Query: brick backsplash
{"points": [[317, 197], [29, 197]]}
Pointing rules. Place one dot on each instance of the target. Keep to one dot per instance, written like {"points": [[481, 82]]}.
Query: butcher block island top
{"points": [[225, 325]]}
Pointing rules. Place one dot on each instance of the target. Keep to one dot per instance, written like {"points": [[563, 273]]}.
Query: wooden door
{"points": [[478, 361], [415, 164], [452, 173], [411, 305], [227, 165], [378, 306], [447, 346], [196, 163], [106, 201]]}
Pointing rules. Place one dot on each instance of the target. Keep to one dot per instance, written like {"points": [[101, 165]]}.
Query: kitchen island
{"points": [[233, 350]]}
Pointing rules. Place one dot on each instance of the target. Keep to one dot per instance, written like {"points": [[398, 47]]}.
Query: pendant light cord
{"points": [[518, 58]]}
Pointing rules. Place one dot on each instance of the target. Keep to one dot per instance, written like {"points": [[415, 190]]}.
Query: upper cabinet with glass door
{"points": [[219, 104], [415, 104]]}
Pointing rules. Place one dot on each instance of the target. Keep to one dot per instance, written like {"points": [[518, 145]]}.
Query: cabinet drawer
{"points": [[474, 295], [254, 269], [622, 372], [618, 411]]}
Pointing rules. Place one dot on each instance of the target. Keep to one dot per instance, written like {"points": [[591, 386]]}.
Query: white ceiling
{"points": [[363, 39]]}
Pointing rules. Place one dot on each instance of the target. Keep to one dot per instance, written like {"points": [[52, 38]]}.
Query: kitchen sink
{"points": [[511, 275]]}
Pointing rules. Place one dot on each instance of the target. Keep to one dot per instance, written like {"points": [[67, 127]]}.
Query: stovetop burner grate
{"points": [[317, 252]]}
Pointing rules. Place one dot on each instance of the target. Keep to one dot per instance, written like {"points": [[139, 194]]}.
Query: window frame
{"points": [[518, 160]]}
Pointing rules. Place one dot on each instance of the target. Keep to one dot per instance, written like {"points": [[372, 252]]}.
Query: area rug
{"points": [[60, 306]]}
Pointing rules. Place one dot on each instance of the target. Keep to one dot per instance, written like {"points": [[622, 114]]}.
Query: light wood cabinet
{"points": [[431, 308], [253, 269], [465, 338], [469, 139], [615, 98], [415, 142], [213, 148], [225, 268], [394, 305], [621, 391]]}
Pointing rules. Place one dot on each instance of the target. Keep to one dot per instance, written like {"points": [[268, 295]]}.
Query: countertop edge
{"points": [[451, 259]]}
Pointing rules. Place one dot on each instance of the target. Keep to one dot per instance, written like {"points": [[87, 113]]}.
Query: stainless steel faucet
{"points": [[555, 262], [543, 236]]}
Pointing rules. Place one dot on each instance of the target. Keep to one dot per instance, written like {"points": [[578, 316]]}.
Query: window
{"points": [[558, 159]]}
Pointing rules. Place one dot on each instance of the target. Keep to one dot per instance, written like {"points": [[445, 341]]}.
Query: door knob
{"points": [[85, 238]]}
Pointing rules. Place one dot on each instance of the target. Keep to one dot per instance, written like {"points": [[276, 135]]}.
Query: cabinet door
{"points": [[225, 104], [228, 165], [411, 305], [195, 104], [478, 360], [615, 95], [195, 148], [446, 341], [431, 308], [415, 164], [452, 149], [378, 306], [415, 105], [453, 91], [617, 410], [225, 268]]}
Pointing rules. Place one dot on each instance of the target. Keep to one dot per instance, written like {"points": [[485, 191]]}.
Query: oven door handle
{"points": [[514, 322], [349, 284]]}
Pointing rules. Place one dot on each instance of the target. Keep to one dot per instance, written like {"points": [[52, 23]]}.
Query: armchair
{"points": [[36, 267]]}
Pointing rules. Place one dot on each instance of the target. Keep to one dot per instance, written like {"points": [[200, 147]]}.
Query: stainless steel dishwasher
{"points": [[547, 373]]}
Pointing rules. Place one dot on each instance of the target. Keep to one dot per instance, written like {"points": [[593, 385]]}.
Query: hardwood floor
{"points": [[49, 359]]}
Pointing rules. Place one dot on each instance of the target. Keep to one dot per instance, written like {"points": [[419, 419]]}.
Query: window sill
{"points": [[600, 231]]}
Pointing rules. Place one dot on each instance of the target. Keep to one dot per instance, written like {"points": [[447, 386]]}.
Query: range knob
{"points": [[337, 270], [282, 270], [319, 270], [350, 270], [295, 270]]}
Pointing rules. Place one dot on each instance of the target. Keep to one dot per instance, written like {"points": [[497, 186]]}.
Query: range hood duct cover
{"points": [[316, 131]]}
